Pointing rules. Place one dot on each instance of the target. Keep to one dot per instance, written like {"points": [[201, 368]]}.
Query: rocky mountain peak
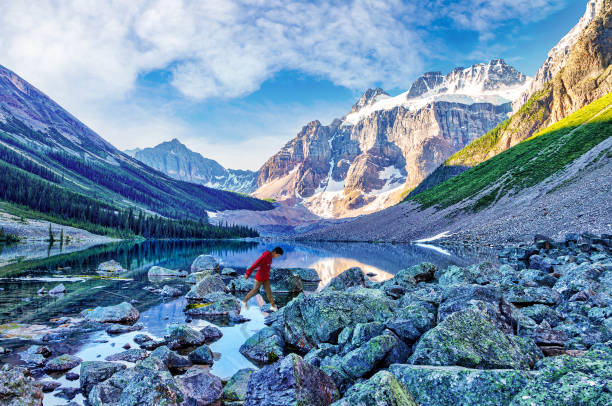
{"points": [[369, 97]]}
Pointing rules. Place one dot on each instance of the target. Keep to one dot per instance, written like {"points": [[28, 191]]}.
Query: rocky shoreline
{"points": [[535, 330]]}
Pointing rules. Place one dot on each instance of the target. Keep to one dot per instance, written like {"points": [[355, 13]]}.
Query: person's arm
{"points": [[255, 265]]}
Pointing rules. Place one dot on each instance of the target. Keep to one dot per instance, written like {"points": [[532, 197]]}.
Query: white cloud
{"points": [[87, 54]]}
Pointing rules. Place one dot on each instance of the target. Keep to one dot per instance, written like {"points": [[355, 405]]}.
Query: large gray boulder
{"points": [[123, 313], [198, 276], [94, 372], [346, 279], [567, 380], [18, 388], [451, 386], [290, 381], [263, 347], [318, 318], [235, 390], [200, 388], [172, 360], [361, 361], [306, 274], [381, 389], [283, 280], [181, 336], [203, 263], [468, 338], [110, 267], [214, 305], [210, 284]]}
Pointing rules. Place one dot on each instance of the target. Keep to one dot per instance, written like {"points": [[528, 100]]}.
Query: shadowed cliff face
{"points": [[386, 145]]}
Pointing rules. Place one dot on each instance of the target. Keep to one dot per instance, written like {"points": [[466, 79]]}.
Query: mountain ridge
{"points": [[179, 162]]}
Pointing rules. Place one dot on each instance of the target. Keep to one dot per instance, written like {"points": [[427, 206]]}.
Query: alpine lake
{"points": [[24, 271]]}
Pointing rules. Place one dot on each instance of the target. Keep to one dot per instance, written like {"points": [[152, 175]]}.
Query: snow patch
{"points": [[435, 237]]}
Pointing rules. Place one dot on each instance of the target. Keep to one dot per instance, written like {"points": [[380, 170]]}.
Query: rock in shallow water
{"points": [[62, 363], [94, 372], [201, 356], [381, 389], [132, 355], [210, 284], [203, 263], [290, 381], [181, 335], [158, 271], [169, 291], [265, 346], [111, 266], [214, 305], [122, 313]]}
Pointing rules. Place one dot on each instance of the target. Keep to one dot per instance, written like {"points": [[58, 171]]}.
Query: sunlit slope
{"points": [[527, 163]]}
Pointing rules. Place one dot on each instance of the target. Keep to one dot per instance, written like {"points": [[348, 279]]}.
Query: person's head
{"points": [[277, 252]]}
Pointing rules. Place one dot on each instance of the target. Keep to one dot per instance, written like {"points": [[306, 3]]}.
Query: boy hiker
{"points": [[262, 277]]}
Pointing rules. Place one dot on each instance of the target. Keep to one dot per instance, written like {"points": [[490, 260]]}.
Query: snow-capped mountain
{"points": [[386, 145], [179, 162]]}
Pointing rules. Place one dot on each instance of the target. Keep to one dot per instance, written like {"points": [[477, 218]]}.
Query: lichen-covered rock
{"points": [[131, 355], [181, 335], [171, 359], [201, 355], [211, 334], [469, 339], [290, 381], [381, 389], [229, 272], [265, 346], [57, 290], [200, 388], [566, 380], [318, 318], [235, 389], [169, 291], [203, 263], [457, 275], [94, 372], [411, 321], [306, 274], [213, 305], [523, 296], [451, 386], [241, 285], [151, 386], [198, 276], [210, 284], [362, 360], [61, 363], [17, 388], [540, 312], [283, 280], [536, 277], [122, 329], [350, 277], [122, 313]]}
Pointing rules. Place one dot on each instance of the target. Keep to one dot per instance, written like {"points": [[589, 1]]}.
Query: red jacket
{"points": [[263, 263]]}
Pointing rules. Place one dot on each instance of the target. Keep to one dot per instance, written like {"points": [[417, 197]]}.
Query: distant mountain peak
{"points": [[369, 97]]}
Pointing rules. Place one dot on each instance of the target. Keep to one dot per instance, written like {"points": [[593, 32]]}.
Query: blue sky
{"points": [[236, 79]]}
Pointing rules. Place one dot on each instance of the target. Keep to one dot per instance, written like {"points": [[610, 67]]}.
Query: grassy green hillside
{"points": [[527, 163]]}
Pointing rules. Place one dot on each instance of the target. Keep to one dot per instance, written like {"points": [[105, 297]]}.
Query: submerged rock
{"points": [[235, 389], [169, 291], [121, 329], [122, 313], [203, 263], [381, 389], [265, 346], [18, 388], [451, 386], [290, 381], [59, 289], [467, 338], [61, 363]]}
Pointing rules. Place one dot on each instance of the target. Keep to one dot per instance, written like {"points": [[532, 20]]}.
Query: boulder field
{"points": [[535, 330]]}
